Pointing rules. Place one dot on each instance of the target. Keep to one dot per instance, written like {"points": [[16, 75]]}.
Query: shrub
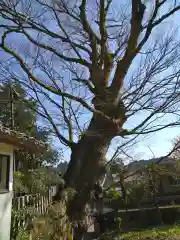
{"points": [[163, 233], [141, 218]]}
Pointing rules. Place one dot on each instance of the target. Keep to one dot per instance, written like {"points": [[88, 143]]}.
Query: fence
{"points": [[36, 201], [25, 207]]}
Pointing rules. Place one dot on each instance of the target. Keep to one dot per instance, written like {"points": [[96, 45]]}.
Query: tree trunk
{"points": [[87, 164]]}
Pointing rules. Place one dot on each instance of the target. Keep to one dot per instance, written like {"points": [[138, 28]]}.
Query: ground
{"points": [[161, 233]]}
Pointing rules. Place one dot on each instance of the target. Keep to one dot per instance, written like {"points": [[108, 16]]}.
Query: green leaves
{"points": [[36, 180], [24, 117], [165, 233]]}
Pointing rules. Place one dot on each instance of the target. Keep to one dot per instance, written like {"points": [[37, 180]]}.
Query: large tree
{"points": [[94, 66]]}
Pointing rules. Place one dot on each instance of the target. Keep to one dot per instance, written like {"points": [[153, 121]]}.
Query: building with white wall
{"points": [[9, 141]]}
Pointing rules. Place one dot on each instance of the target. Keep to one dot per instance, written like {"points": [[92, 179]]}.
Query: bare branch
{"points": [[138, 9]]}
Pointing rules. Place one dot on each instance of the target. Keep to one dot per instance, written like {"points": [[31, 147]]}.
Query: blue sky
{"points": [[157, 144]]}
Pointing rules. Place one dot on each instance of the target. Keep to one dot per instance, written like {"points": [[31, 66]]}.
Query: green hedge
{"points": [[142, 218], [165, 233]]}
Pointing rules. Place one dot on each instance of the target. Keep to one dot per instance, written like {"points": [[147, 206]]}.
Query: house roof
{"points": [[134, 166], [137, 166], [20, 140]]}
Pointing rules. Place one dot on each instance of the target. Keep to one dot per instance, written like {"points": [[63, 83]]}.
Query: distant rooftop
{"points": [[143, 163]]}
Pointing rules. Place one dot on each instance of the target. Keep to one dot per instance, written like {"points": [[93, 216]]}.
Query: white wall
{"points": [[6, 197], [5, 215], [6, 148]]}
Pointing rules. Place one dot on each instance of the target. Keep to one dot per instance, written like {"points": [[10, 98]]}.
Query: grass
{"points": [[163, 233]]}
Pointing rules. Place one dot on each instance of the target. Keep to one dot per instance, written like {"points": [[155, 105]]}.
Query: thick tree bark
{"points": [[86, 167], [87, 164]]}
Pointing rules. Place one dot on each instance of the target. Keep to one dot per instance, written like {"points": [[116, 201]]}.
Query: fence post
{"points": [[42, 204], [24, 214], [37, 202]]}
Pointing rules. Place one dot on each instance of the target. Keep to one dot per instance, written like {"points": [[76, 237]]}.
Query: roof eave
{"points": [[21, 141]]}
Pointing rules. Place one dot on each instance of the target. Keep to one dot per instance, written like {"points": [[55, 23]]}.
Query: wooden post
{"points": [[24, 214], [11, 105], [42, 204]]}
